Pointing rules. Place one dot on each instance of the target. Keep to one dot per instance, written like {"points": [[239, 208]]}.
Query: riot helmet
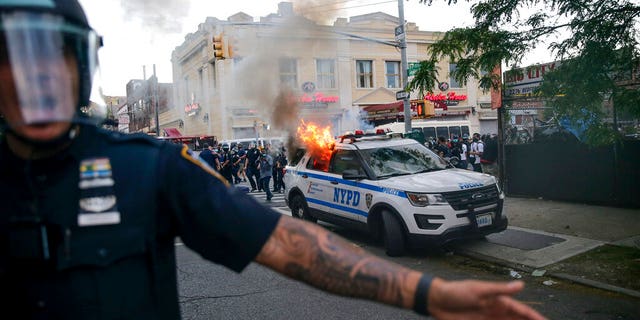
{"points": [[225, 147], [48, 53]]}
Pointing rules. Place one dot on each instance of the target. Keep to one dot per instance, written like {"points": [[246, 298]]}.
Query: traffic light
{"points": [[232, 47], [429, 109], [223, 46], [219, 47]]}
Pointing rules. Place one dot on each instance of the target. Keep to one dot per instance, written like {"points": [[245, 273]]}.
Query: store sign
{"points": [[192, 109], [449, 99], [317, 100], [524, 81]]}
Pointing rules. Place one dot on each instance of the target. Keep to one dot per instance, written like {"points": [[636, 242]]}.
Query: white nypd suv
{"points": [[394, 188]]}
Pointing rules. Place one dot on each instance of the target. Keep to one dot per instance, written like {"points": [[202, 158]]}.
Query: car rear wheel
{"points": [[393, 234], [300, 210]]}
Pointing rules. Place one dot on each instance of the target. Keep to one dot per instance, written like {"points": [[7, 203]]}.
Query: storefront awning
{"points": [[396, 106], [172, 132]]}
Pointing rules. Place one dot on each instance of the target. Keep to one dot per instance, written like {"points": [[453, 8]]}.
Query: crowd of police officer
{"points": [[238, 165]]}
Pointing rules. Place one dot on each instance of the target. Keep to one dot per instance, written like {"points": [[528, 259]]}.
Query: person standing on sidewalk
{"points": [[90, 216], [475, 155]]}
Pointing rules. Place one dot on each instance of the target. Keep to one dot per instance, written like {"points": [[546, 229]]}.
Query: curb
{"points": [[596, 284], [563, 276]]}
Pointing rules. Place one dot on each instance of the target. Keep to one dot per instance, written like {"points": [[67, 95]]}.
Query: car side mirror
{"points": [[352, 174]]}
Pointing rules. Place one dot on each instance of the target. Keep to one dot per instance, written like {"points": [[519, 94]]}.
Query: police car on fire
{"points": [[396, 189]]}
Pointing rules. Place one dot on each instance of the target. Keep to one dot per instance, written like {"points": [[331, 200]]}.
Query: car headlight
{"points": [[425, 199]]}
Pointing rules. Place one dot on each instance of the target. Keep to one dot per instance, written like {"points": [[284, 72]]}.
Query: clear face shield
{"points": [[46, 69]]}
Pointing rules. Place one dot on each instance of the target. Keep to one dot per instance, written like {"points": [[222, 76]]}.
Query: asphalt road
{"points": [[208, 291]]}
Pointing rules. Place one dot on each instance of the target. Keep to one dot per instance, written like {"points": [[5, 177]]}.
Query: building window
{"points": [[325, 69], [393, 74], [452, 82], [364, 73], [289, 72]]}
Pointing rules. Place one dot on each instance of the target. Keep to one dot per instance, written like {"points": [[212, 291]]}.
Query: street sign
{"points": [[399, 32], [413, 68], [401, 95]]}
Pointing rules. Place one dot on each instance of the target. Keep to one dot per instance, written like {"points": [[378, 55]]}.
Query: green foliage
{"points": [[425, 78], [596, 42]]}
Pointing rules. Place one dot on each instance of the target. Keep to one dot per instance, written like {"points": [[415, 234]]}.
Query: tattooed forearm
{"points": [[310, 253]]}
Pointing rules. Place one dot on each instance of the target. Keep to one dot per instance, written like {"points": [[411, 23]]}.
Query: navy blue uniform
{"points": [[209, 158], [90, 233]]}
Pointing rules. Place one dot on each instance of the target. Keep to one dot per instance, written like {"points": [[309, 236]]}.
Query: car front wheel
{"points": [[393, 234], [300, 210]]}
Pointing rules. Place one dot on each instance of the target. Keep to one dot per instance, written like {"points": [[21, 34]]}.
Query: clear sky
{"points": [[138, 34]]}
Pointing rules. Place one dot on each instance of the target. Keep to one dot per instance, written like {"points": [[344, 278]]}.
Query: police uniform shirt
{"points": [[107, 211]]}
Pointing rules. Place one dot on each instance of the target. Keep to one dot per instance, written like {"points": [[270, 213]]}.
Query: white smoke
{"points": [[254, 75]]}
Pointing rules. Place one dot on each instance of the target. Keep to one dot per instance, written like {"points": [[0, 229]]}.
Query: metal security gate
{"points": [[539, 157]]}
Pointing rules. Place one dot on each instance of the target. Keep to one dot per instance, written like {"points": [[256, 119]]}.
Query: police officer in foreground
{"points": [[89, 217]]}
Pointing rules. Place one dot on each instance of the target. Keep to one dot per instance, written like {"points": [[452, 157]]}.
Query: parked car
{"points": [[396, 189]]}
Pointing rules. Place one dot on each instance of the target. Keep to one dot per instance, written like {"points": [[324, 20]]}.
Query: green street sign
{"points": [[413, 68]]}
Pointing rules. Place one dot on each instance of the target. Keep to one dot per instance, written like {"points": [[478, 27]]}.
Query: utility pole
{"points": [[402, 39], [155, 100]]}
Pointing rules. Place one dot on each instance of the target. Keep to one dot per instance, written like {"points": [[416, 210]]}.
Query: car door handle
{"points": [[334, 182]]}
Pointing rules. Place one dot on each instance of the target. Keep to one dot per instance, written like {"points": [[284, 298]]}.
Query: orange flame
{"points": [[318, 141]]}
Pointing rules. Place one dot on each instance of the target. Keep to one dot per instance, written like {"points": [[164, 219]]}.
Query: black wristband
{"points": [[422, 293]]}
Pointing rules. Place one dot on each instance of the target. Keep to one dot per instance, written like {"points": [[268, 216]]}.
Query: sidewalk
{"points": [[543, 233]]}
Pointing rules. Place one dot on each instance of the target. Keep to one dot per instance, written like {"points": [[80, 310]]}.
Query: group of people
{"points": [[256, 165], [479, 152], [90, 216]]}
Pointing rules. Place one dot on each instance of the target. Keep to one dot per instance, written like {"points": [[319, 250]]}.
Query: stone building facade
{"points": [[285, 67]]}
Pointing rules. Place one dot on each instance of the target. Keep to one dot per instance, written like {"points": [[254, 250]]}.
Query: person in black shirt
{"points": [[210, 157], [442, 148], [279, 166], [89, 217], [253, 156], [225, 163]]}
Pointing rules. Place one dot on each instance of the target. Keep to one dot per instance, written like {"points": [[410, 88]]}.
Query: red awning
{"points": [[398, 105], [172, 132]]}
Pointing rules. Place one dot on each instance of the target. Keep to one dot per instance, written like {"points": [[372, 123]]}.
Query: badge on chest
{"points": [[98, 204]]}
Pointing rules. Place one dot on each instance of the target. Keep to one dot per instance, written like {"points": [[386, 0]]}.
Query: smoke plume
{"points": [[257, 81]]}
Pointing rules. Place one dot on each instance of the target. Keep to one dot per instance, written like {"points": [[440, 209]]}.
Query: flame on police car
{"points": [[317, 140]]}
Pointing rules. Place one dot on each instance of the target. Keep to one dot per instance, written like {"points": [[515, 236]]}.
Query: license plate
{"points": [[483, 220]]}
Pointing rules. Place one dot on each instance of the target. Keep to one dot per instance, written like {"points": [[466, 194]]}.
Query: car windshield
{"points": [[402, 160]]}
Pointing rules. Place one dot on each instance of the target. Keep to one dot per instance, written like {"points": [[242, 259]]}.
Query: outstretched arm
{"points": [[310, 253]]}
